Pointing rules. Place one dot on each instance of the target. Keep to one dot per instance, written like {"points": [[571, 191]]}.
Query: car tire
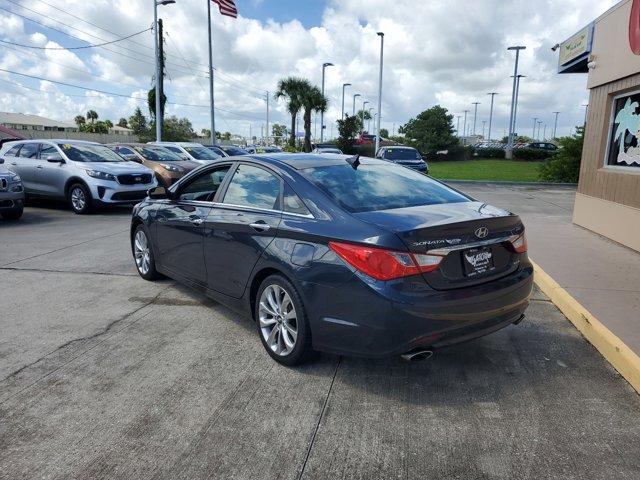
{"points": [[79, 199], [282, 314], [13, 215], [143, 254]]}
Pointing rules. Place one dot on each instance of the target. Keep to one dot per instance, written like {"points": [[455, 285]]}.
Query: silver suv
{"points": [[11, 194], [196, 152], [83, 173]]}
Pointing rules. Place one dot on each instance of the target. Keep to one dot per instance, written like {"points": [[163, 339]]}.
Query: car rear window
{"points": [[380, 187], [158, 154], [402, 154]]}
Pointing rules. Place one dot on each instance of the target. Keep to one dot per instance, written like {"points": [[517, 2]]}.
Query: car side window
{"points": [[128, 154], [292, 202], [13, 151], [203, 188], [29, 150], [49, 152], [253, 187]]}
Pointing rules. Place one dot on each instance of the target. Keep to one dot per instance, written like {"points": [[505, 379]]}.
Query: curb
{"points": [[509, 182], [614, 350]]}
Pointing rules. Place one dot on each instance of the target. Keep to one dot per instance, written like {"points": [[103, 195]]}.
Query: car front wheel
{"points": [[282, 321], [143, 254], [79, 199], [12, 214]]}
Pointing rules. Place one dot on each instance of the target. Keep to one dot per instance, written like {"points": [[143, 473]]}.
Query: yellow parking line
{"points": [[623, 359]]}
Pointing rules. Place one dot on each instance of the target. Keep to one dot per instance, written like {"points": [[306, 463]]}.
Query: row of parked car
{"points": [[548, 146], [87, 174]]}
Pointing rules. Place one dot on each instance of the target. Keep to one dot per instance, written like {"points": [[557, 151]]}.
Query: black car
{"points": [[340, 254], [548, 146], [405, 156]]}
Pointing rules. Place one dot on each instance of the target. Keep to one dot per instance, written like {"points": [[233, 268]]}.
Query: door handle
{"points": [[14, 163], [197, 221], [260, 226], [39, 167]]}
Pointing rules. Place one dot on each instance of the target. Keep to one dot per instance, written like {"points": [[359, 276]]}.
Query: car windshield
{"points": [[235, 151], [158, 154], [89, 153], [202, 153], [402, 154], [380, 187], [329, 150]]}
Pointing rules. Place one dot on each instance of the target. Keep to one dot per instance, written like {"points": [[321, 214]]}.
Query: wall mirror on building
{"points": [[624, 135]]}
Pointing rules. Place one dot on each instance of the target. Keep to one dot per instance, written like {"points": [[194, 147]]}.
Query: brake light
{"points": [[518, 243], [383, 264]]}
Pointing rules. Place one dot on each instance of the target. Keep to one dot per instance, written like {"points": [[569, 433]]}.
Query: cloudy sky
{"points": [[447, 52]]}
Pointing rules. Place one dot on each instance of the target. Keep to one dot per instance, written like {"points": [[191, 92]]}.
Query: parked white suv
{"points": [[190, 151], [83, 173]]}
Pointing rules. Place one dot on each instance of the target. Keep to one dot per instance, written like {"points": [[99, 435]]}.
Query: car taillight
{"points": [[518, 243], [384, 264]]}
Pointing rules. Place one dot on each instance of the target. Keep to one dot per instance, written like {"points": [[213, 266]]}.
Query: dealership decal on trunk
{"points": [[478, 261]]}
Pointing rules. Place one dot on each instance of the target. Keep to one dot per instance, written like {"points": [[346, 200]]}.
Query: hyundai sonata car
{"points": [[340, 254]]}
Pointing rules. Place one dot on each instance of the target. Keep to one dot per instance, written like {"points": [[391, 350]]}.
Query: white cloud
{"points": [[451, 53]]}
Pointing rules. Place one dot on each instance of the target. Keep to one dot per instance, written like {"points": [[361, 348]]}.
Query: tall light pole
{"points": [[539, 123], [464, 128], [544, 135], [475, 115], [458, 125], [158, 71], [493, 94], [586, 110], [509, 152], [377, 126], [555, 124], [355, 95], [370, 117], [363, 108], [515, 109], [324, 65], [211, 97], [344, 85], [535, 121], [267, 98], [484, 124]]}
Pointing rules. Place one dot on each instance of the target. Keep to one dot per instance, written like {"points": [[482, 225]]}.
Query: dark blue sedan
{"points": [[339, 254]]}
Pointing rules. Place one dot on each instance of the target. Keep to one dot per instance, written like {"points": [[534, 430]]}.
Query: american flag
{"points": [[227, 7]]}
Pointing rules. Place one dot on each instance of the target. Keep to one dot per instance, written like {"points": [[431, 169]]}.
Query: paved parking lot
{"points": [[106, 375]]}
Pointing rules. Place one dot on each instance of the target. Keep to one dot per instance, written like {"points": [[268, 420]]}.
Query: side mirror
{"points": [[1, 161], [53, 159], [158, 193]]}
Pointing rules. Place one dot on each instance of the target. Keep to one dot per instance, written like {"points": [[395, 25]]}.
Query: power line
{"points": [[79, 47]]}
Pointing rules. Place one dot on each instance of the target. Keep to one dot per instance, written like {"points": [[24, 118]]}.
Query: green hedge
{"points": [[531, 154], [456, 153], [489, 152]]}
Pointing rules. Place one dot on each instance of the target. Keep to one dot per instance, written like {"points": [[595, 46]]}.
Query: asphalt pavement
{"points": [[104, 375]]}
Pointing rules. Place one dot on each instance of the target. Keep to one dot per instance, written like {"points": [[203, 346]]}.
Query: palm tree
{"points": [[92, 115], [312, 100], [291, 89], [80, 120]]}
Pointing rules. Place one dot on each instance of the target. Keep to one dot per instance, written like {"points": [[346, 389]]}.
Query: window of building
{"points": [[624, 135]]}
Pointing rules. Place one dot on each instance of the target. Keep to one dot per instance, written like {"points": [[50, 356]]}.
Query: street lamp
{"points": [[475, 115], [515, 109], [464, 128], [377, 126], [535, 122], [355, 95], [555, 124], [539, 123], [458, 125], [493, 94], [509, 152], [586, 110], [484, 124], [363, 108], [370, 117], [344, 85], [324, 65], [158, 72]]}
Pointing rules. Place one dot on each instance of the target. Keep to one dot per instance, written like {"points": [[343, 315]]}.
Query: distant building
{"points": [[117, 130], [23, 121]]}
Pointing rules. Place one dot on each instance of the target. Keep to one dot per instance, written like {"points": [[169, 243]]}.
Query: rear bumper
{"points": [[357, 319]]}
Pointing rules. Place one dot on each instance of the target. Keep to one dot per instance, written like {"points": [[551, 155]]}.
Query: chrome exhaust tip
{"points": [[417, 355]]}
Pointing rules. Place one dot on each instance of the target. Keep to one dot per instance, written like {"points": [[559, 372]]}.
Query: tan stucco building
{"points": [[608, 50]]}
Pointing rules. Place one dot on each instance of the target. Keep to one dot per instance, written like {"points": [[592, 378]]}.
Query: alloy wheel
{"points": [[278, 320], [141, 252], [78, 199]]}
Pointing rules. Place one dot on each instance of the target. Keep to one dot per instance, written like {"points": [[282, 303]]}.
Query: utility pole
{"points": [[324, 65], [344, 85], [267, 97], [458, 125], [535, 121], [160, 91], [475, 115], [555, 125], [464, 128], [377, 127], [493, 94], [211, 97], [509, 152], [515, 109]]}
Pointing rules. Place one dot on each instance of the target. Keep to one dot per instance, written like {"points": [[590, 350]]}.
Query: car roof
{"points": [[300, 161], [398, 147], [54, 140]]}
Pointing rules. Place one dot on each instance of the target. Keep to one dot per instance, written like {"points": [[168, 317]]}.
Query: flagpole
{"points": [[213, 116]]}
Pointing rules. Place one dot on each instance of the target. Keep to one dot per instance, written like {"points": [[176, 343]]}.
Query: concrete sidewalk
{"points": [[602, 275]]}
